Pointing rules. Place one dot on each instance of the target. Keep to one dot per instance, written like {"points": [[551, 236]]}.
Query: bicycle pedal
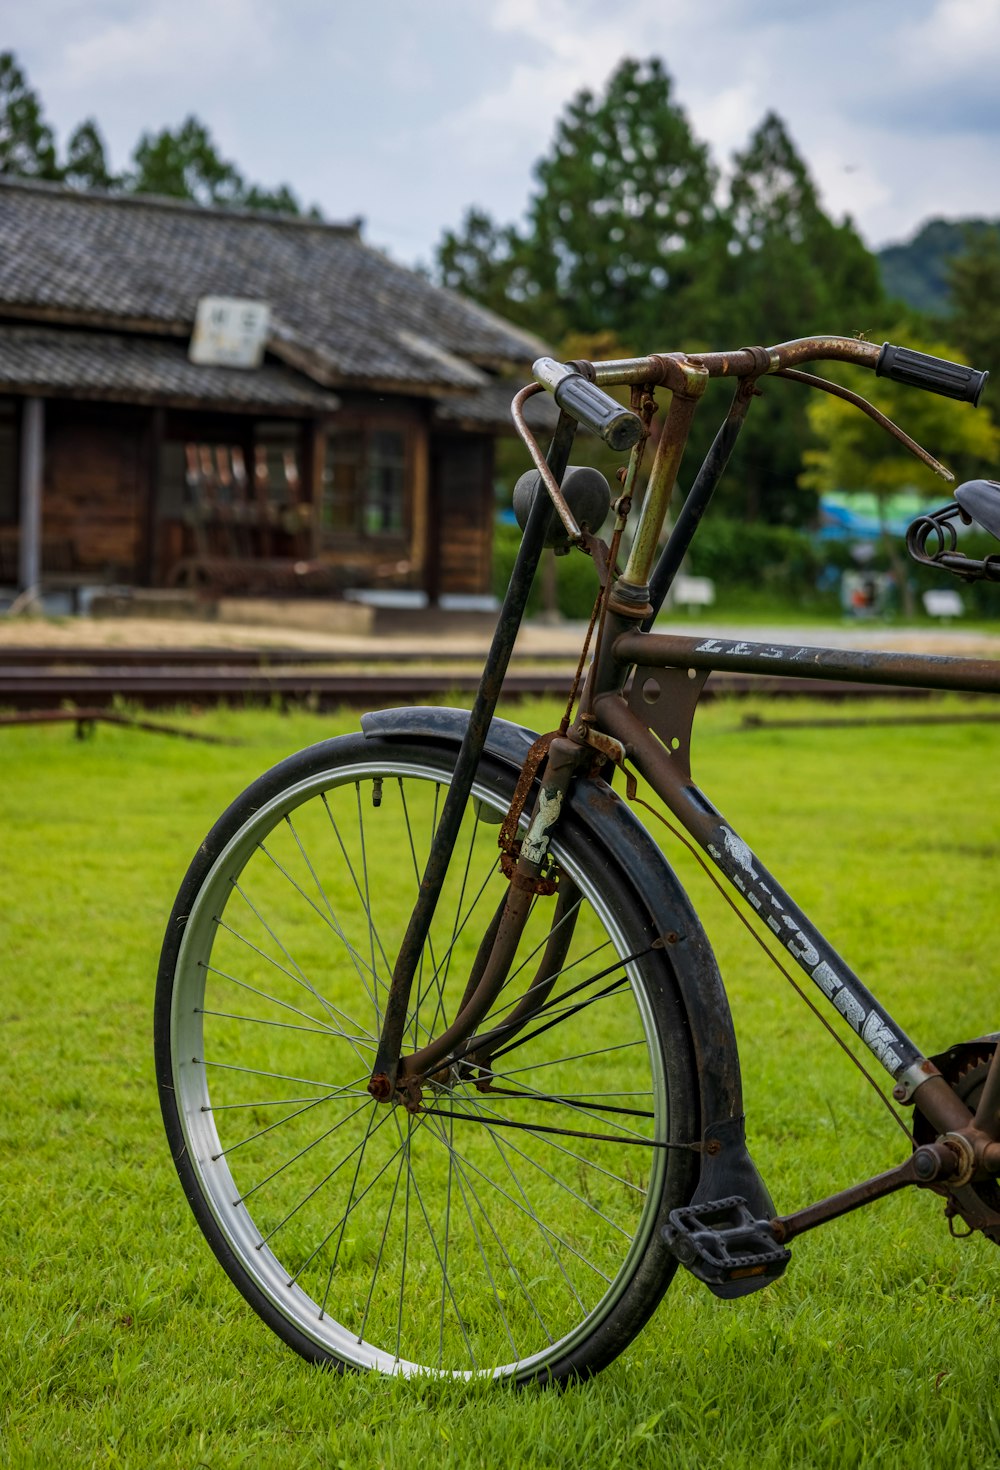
{"points": [[723, 1245]]}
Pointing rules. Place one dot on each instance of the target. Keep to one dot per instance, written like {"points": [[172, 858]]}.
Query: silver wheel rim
{"points": [[218, 1164]]}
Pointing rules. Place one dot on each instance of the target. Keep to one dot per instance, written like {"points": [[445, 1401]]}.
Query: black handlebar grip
{"points": [[936, 374], [617, 426]]}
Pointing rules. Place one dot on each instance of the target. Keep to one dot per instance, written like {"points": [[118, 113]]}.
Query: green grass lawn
{"points": [[121, 1341]]}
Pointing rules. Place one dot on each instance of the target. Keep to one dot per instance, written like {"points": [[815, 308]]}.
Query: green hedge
{"points": [[576, 578], [778, 563]]}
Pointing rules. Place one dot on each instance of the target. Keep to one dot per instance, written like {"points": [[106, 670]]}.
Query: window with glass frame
{"points": [[364, 488]]}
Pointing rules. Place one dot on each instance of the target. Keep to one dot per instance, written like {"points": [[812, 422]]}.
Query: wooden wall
{"points": [[92, 498], [461, 552], [111, 511]]}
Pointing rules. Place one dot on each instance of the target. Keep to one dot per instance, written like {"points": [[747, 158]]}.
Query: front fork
{"points": [[458, 1042]]}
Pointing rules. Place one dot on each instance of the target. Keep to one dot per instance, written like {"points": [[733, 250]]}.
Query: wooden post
{"points": [[153, 446], [432, 561], [29, 563], [422, 533], [313, 466]]}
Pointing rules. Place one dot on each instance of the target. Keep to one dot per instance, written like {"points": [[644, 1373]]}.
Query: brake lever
{"points": [[538, 459], [824, 384]]}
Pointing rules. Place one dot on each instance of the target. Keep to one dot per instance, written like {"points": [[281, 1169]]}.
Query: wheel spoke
{"points": [[329, 916], [282, 1004], [500, 1144], [251, 1137], [553, 1234], [296, 973], [362, 895], [537, 1129], [592, 1111], [510, 1264], [381, 1249], [352, 1203], [294, 1158], [287, 1026], [578, 1056], [360, 964]]}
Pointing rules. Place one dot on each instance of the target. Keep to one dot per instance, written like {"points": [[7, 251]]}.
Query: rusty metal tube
{"points": [[914, 671], [698, 499], [508, 936], [383, 1077], [560, 766], [742, 363], [554, 957], [662, 477]]}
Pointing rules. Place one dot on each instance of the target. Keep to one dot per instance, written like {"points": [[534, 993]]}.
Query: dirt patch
{"points": [[439, 633]]}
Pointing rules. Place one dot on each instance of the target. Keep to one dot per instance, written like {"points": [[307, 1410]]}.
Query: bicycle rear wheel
{"points": [[511, 1228]]}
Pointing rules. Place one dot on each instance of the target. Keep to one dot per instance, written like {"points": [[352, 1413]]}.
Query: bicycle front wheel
{"points": [[511, 1225]]}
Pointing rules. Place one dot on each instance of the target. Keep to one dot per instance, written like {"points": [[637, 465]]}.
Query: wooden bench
{"points": [[692, 592], [943, 603]]}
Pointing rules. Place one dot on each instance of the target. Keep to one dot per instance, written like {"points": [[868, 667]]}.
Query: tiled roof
{"points": [[489, 408], [340, 309], [133, 369]]}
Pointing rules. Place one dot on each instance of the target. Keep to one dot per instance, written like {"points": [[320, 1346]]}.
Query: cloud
{"points": [[209, 44], [409, 113], [957, 38], [940, 72]]}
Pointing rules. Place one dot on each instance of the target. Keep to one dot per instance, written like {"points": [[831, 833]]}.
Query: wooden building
{"points": [[358, 453]]}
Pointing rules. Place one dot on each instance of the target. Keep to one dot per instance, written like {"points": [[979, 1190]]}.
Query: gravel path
{"points": [[453, 634]]}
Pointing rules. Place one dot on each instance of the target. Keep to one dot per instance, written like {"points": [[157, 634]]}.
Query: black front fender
{"points": [[618, 835]]}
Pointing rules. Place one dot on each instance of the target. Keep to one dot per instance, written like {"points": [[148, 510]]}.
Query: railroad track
{"points": [[243, 658], [95, 678]]}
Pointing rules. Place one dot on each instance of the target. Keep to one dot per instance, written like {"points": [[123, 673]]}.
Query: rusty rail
{"points": [[256, 658], [162, 684]]}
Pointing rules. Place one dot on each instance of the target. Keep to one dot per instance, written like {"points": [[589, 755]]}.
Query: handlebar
{"points": [[590, 405], [578, 389], [936, 374], [901, 364]]}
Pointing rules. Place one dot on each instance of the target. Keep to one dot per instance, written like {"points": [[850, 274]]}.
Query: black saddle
{"points": [[980, 500]]}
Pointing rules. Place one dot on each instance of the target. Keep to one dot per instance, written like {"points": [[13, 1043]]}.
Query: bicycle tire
{"points": [[472, 1237]]}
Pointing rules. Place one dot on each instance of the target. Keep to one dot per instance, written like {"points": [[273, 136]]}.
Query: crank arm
{"points": [[930, 1164]]}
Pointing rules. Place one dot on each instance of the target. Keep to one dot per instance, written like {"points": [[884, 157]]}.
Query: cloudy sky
{"points": [[408, 111]]}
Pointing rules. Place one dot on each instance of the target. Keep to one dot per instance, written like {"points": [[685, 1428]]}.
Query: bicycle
{"points": [[478, 1133]]}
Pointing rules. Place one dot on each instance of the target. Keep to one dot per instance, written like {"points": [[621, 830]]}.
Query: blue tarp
{"points": [[855, 518]]}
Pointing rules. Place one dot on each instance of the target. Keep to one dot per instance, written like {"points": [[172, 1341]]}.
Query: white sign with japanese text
{"points": [[229, 332]]}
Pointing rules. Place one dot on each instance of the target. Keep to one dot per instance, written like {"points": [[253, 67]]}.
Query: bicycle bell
{"points": [[587, 494]]}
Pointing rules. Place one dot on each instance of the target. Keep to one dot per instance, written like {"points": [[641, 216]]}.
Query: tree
{"points": [[487, 262], [852, 453], [86, 165], [791, 271], [184, 163], [280, 200], [974, 281], [621, 230], [624, 236], [790, 264], [623, 221], [27, 146]]}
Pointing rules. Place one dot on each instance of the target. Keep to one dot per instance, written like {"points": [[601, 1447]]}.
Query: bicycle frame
{"points": [[654, 730], [567, 991], [638, 705]]}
